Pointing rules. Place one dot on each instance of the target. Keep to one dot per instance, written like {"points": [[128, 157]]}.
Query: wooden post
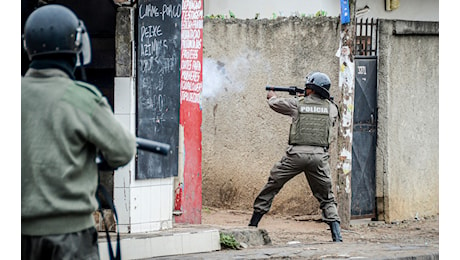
{"points": [[345, 128]]}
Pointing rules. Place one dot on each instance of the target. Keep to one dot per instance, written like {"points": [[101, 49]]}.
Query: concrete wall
{"points": [[242, 136], [408, 120]]}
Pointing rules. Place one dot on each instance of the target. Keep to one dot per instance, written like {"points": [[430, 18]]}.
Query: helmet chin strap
{"points": [[82, 67]]}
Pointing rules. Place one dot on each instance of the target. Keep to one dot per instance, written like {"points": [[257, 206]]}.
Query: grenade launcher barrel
{"points": [[141, 144], [152, 146], [293, 90]]}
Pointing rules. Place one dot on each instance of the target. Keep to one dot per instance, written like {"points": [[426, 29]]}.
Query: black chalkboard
{"points": [[158, 84]]}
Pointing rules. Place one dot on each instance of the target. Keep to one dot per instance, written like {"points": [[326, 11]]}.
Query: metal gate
{"points": [[364, 139]]}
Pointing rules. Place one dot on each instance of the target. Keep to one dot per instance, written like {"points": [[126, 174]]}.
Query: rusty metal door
{"points": [[364, 139]]}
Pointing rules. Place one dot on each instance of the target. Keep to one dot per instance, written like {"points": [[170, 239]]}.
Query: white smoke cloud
{"points": [[214, 78], [222, 76]]}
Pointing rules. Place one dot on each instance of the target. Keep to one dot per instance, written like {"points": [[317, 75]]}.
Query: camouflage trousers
{"points": [[317, 171], [79, 245]]}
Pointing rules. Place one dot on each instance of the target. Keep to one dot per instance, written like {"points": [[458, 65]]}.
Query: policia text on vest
{"points": [[313, 124]]}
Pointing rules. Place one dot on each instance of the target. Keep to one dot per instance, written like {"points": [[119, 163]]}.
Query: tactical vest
{"points": [[312, 126]]}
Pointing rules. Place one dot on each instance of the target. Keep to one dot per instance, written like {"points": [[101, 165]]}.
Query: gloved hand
{"points": [[102, 164]]}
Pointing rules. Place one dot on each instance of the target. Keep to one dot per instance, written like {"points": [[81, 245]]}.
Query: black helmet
{"points": [[319, 82], [55, 29]]}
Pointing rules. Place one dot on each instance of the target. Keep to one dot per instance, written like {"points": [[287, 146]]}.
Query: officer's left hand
{"points": [[271, 94]]}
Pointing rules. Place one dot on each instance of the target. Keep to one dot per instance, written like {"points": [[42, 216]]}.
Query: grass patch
{"points": [[229, 241]]}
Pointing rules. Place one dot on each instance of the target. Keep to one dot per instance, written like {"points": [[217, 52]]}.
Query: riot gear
{"points": [[312, 126], [320, 83], [55, 29]]}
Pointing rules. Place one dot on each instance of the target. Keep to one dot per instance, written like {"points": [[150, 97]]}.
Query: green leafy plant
{"points": [[218, 16], [321, 13], [229, 241]]}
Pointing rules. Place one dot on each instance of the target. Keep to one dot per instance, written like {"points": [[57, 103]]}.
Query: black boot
{"points": [[256, 216], [335, 230]]}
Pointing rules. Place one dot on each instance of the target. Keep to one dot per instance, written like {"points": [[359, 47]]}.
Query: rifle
{"points": [[152, 146], [141, 144], [293, 90]]}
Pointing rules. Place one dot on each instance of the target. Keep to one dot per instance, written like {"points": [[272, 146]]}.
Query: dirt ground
{"points": [[308, 229]]}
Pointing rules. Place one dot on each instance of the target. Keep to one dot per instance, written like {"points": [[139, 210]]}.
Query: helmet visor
{"points": [[82, 39]]}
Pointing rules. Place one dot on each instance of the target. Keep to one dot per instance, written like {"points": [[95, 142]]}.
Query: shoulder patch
{"points": [[89, 87]]}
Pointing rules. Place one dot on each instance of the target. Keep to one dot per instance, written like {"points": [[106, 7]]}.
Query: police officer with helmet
{"points": [[313, 117], [65, 124]]}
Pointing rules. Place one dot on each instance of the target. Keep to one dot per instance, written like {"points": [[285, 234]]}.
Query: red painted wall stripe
{"points": [[191, 85]]}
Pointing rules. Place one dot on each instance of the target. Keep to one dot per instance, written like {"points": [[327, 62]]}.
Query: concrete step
{"points": [[183, 239], [176, 241]]}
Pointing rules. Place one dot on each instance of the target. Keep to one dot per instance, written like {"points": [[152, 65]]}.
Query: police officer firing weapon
{"points": [[313, 117]]}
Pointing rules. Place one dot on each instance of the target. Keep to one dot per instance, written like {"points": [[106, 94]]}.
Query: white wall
{"points": [[142, 205], [247, 9], [416, 10]]}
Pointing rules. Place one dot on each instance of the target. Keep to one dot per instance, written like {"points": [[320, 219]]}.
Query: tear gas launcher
{"points": [[152, 146], [293, 90], [142, 144]]}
